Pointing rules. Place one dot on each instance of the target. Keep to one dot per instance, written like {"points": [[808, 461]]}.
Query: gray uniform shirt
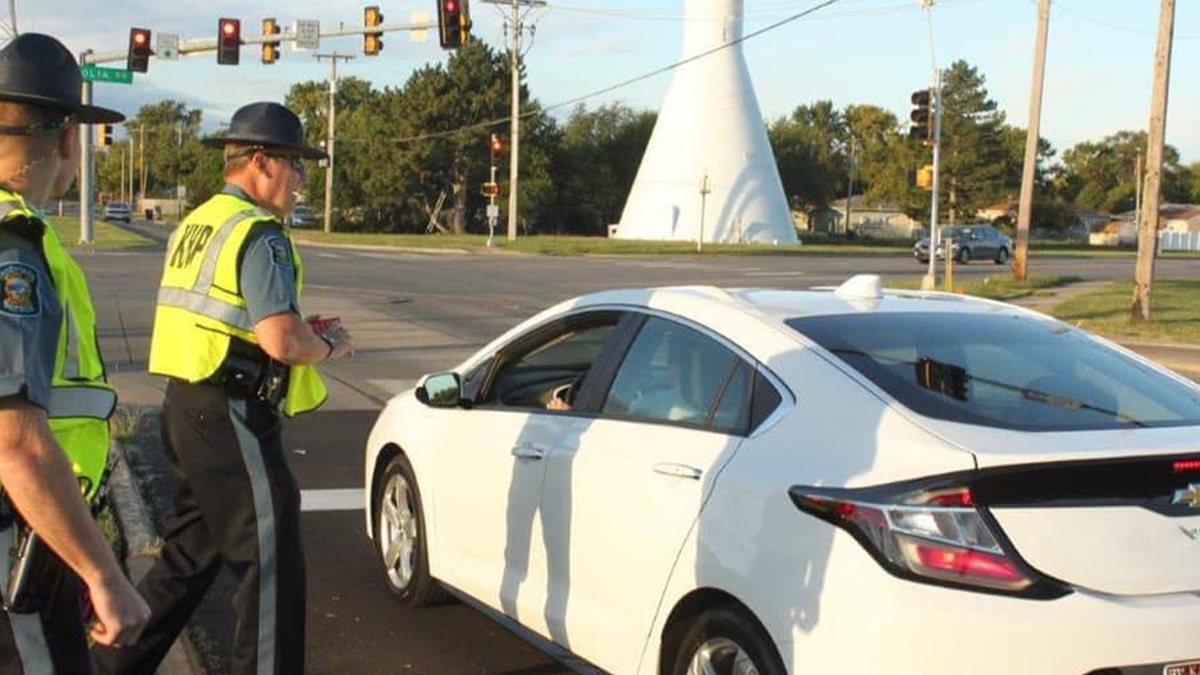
{"points": [[267, 272], [30, 319]]}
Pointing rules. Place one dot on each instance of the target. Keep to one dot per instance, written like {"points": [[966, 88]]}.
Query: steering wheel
{"points": [[567, 392]]}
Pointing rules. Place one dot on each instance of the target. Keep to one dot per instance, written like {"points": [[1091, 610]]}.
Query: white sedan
{"points": [[688, 481]]}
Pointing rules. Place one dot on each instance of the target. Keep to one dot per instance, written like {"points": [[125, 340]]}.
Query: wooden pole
{"points": [[1151, 196], [1025, 210]]}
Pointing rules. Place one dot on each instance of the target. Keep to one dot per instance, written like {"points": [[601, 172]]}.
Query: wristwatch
{"points": [[327, 341]]}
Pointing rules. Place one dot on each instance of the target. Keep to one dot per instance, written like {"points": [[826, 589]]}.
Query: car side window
{"points": [[553, 364], [672, 373]]}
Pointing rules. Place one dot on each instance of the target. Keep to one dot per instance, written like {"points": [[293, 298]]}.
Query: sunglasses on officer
{"points": [[295, 161]]}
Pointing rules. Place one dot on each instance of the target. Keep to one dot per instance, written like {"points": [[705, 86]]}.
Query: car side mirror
{"points": [[443, 390]]}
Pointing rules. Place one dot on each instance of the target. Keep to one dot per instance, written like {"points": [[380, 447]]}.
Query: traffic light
{"points": [[104, 135], [138, 59], [454, 23], [372, 44], [497, 146], [229, 42], [270, 50], [925, 177], [922, 116]]}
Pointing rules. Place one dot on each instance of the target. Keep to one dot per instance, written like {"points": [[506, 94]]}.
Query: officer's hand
{"points": [[343, 344], [120, 612]]}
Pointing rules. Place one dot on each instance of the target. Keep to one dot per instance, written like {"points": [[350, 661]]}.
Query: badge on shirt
{"points": [[281, 251], [19, 290]]}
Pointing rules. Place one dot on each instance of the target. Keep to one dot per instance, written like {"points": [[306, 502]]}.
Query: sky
{"points": [[1099, 69]]}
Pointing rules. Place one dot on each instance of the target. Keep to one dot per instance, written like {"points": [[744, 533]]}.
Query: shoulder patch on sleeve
{"points": [[281, 251], [19, 290]]}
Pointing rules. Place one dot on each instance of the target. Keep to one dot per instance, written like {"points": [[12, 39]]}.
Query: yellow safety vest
{"points": [[81, 401], [200, 304]]}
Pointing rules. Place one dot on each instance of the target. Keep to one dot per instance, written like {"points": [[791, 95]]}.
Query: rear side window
{"points": [[1003, 370]]}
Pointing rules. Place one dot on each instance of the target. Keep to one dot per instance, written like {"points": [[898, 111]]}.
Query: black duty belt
{"points": [[248, 372]]}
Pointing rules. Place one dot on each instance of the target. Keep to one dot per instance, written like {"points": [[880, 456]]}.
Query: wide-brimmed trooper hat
{"points": [[38, 70], [269, 125]]}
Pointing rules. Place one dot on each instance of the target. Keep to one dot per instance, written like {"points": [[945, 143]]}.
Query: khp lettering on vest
{"points": [[81, 401], [201, 308]]}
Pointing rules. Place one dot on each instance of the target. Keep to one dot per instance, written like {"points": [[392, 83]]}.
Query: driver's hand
{"points": [[557, 403]]}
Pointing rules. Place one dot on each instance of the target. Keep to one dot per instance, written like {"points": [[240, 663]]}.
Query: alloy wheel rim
{"points": [[721, 656], [398, 527]]}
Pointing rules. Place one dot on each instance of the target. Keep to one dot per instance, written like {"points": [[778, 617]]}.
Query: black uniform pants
{"points": [[51, 642], [236, 503]]}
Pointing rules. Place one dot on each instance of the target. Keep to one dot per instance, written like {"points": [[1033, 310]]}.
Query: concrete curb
{"points": [[143, 547]]}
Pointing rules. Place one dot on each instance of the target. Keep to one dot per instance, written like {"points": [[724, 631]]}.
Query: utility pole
{"points": [[86, 231], [1032, 137], [515, 23], [12, 14], [130, 202], [1137, 180], [329, 138], [704, 192], [1148, 218], [850, 189], [142, 166]]}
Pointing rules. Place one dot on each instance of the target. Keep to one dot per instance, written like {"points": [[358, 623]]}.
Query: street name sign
{"points": [[94, 73], [168, 46], [308, 34]]}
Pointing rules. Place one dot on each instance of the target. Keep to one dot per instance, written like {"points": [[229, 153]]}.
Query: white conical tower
{"points": [[709, 132]]}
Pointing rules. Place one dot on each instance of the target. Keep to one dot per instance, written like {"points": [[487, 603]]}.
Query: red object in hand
{"points": [[325, 325]]}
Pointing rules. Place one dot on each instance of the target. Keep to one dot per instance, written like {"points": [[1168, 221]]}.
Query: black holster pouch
{"points": [[249, 373], [35, 573]]}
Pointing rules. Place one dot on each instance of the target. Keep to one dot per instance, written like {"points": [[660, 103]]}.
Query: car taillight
{"points": [[937, 535]]}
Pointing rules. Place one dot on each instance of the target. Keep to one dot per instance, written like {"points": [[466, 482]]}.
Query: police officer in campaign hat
{"points": [[229, 334], [54, 401]]}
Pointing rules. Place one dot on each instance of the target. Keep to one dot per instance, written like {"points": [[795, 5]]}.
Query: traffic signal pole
{"points": [[930, 281], [330, 136], [86, 231]]}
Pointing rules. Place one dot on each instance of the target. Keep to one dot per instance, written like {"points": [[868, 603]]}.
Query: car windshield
{"points": [[1003, 370]]}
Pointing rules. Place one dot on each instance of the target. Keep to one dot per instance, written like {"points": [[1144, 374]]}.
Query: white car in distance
{"points": [[688, 481]]}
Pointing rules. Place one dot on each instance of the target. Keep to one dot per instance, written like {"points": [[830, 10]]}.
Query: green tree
{"points": [[597, 161], [885, 161], [810, 150], [974, 157], [1101, 175]]}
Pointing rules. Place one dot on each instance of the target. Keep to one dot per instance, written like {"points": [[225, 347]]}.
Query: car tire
{"points": [[964, 256], [723, 641], [1002, 256], [400, 524]]}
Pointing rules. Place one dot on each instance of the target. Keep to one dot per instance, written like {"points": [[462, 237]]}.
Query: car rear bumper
{"points": [[871, 622]]}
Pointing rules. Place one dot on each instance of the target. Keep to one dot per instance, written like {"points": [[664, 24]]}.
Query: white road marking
{"points": [[773, 274], [321, 254], [392, 387], [331, 500]]}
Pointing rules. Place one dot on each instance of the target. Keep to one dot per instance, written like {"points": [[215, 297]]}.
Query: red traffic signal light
{"points": [[229, 42], [497, 146], [454, 23], [138, 58]]}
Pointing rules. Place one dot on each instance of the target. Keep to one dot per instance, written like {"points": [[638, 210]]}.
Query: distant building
{"points": [[875, 219]]}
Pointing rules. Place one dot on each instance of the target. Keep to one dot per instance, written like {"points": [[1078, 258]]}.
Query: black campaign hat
{"points": [[38, 70], [267, 124]]}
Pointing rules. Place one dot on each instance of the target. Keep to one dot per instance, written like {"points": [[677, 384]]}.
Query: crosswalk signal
{"points": [[138, 58], [922, 116], [229, 42], [372, 42], [270, 50], [454, 23], [497, 146], [104, 135]]}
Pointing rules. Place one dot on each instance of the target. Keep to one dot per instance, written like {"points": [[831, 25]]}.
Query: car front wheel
{"points": [[964, 255], [1002, 256], [722, 641], [400, 536]]}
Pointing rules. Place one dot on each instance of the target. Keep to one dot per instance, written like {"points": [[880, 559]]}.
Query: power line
{"points": [[1109, 24], [599, 92]]}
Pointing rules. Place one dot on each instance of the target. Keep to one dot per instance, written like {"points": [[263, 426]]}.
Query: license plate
{"points": [[1189, 668]]}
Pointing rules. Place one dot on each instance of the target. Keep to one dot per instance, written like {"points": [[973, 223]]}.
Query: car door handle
{"points": [[678, 471], [528, 451]]}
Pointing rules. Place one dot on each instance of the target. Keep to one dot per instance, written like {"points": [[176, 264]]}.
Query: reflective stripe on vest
{"points": [[80, 401], [200, 305]]}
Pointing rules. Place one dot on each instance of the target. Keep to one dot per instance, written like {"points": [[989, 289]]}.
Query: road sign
{"points": [[168, 46], [419, 17], [94, 73], [493, 211], [308, 34]]}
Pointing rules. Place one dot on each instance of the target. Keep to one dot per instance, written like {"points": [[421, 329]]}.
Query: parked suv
{"points": [[117, 211], [302, 217], [967, 243]]}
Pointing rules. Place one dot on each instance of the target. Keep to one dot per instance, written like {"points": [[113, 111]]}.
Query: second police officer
{"points": [[229, 334]]}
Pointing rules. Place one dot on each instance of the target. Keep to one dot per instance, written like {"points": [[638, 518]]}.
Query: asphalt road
{"points": [[411, 314]]}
